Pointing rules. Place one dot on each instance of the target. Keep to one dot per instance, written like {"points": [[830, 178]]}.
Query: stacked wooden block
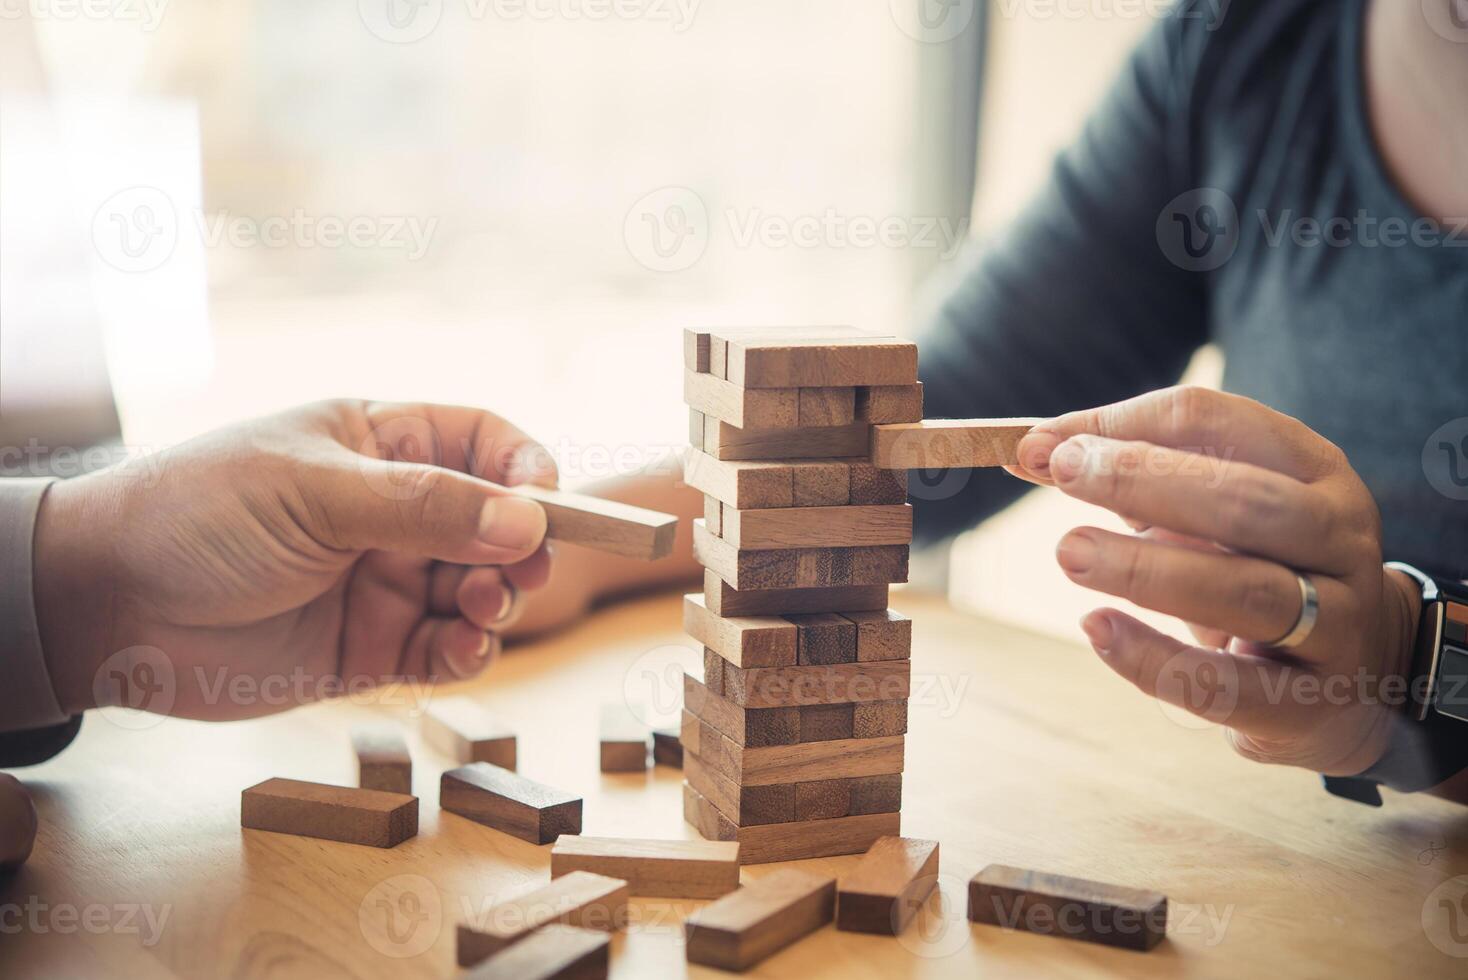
{"points": [[793, 740]]}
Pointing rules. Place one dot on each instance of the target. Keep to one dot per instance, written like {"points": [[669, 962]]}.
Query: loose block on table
{"points": [[747, 926], [1073, 908], [554, 952], [581, 899], [667, 749], [947, 444], [664, 868], [509, 802], [888, 887], [383, 761], [340, 813], [623, 739], [465, 731]]}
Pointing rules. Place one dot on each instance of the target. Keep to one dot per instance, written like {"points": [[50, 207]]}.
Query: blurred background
{"points": [[518, 204]]}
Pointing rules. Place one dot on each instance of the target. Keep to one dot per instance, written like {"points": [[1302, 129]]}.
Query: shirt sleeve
{"points": [[1076, 305], [27, 699]]}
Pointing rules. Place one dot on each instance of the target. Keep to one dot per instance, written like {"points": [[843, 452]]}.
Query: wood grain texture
{"points": [[825, 638], [744, 408], [780, 363], [823, 406], [818, 527], [555, 952], [882, 634], [746, 806], [804, 762], [820, 484], [623, 739], [580, 899], [383, 761], [823, 722], [888, 886], [722, 599], [1073, 908], [797, 841], [798, 568], [665, 868], [747, 641], [871, 486], [876, 719], [727, 442], [741, 483], [341, 813], [465, 731], [713, 514], [747, 726], [696, 350], [510, 803], [887, 404], [667, 748], [604, 525], [947, 444], [773, 687], [713, 670], [826, 799], [695, 430], [747, 926]]}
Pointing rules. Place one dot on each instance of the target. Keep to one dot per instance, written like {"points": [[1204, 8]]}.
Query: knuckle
{"points": [[1249, 503], [1137, 570], [1192, 408]]}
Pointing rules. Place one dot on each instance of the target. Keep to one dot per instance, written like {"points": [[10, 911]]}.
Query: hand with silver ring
{"points": [[1255, 531]]}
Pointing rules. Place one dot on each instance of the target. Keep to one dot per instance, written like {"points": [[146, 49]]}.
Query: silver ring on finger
{"points": [[1309, 612]]}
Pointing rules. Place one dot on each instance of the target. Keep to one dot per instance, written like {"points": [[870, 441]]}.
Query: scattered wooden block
{"points": [[509, 802], [823, 406], [804, 762], [580, 899], [1074, 908], [826, 638], [789, 841], [747, 926], [383, 762], [886, 404], [724, 441], [667, 748], [947, 444], [871, 486], [713, 514], [817, 527], [798, 568], [665, 868], [340, 813], [888, 886], [623, 739], [722, 599], [604, 525], [747, 641], [882, 634], [554, 952], [747, 726], [820, 684], [696, 351], [878, 719], [826, 799], [809, 362], [466, 732]]}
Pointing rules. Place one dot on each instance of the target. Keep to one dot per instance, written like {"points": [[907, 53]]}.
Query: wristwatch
{"points": [[1429, 742]]}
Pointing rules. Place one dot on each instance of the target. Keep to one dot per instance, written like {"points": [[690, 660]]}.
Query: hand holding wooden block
{"points": [[747, 926], [948, 444], [605, 525]]}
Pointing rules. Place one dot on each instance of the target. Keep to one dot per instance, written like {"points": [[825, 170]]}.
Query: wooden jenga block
{"points": [[888, 886], [665, 868], [824, 722], [667, 748], [817, 527], [741, 483], [383, 761], [340, 813], [826, 638], [946, 444], [1074, 908], [713, 514], [811, 362], [623, 738], [695, 430], [805, 762], [580, 899], [878, 719], [826, 799], [724, 441], [752, 408], [796, 841], [823, 406], [747, 926], [719, 358], [746, 641], [553, 952], [747, 726], [775, 687], [817, 484], [746, 806], [882, 634], [604, 525], [696, 351], [713, 670], [722, 599], [509, 802], [887, 404], [798, 568], [465, 731], [870, 486]]}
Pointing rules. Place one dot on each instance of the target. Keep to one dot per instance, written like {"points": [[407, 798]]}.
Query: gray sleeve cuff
{"points": [[26, 695]]}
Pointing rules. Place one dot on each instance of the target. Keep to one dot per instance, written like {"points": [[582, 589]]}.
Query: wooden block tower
{"points": [[793, 739]]}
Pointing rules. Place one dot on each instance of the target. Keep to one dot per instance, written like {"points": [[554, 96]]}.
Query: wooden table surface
{"points": [[1022, 751]]}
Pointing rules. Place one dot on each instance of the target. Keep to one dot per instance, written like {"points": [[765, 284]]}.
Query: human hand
{"points": [[328, 546], [17, 823], [1231, 500]]}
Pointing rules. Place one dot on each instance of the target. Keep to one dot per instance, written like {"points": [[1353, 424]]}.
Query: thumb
{"points": [[431, 512], [17, 823]]}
